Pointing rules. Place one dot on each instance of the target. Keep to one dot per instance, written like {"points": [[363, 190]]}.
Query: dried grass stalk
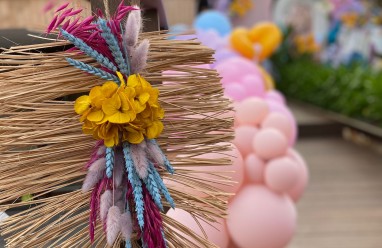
{"points": [[43, 150]]}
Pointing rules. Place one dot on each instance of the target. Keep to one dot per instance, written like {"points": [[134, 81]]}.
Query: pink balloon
{"points": [[243, 139], [270, 143], [235, 69], [260, 218], [280, 122], [254, 169], [281, 174], [216, 232], [277, 107], [254, 85], [235, 91], [276, 96], [303, 176], [251, 111]]}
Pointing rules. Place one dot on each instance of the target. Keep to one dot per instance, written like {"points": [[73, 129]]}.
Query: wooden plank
{"points": [[342, 205], [365, 127]]}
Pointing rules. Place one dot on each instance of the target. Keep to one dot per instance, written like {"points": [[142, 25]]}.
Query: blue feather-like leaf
{"points": [[136, 184], [109, 162], [152, 187], [92, 70], [80, 44], [113, 44], [162, 187]]}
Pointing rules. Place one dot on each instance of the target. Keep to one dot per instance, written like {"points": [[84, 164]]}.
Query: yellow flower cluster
{"points": [[306, 44], [350, 19], [129, 112], [240, 7]]}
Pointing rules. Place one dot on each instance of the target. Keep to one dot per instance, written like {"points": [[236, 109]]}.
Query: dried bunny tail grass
{"points": [[43, 150]]}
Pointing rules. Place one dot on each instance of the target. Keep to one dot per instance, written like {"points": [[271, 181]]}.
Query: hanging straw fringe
{"points": [[42, 145]]}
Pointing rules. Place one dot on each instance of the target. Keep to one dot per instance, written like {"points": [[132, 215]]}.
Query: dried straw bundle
{"points": [[43, 150]]}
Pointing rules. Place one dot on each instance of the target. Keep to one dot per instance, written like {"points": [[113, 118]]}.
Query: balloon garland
{"points": [[263, 213]]}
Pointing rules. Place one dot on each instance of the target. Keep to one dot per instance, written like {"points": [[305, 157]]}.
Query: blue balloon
{"points": [[213, 20]]}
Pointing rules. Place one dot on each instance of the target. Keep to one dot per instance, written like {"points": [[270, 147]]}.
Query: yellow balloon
{"points": [[241, 43], [269, 82], [268, 36]]}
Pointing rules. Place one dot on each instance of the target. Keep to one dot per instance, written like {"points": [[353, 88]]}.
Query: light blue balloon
{"points": [[213, 20]]}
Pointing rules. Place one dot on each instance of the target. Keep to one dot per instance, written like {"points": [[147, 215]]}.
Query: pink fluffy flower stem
{"points": [[94, 202], [152, 232], [95, 155]]}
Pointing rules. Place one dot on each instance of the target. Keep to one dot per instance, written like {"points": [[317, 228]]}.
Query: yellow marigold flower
{"points": [[154, 130], [129, 112], [133, 135], [145, 93], [82, 104]]}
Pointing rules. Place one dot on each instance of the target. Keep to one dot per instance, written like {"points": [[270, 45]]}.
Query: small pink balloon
{"points": [[270, 143], [275, 96], [251, 111], [254, 169], [280, 122], [216, 232], [254, 86], [235, 91], [243, 139], [260, 218], [235, 69], [281, 174], [277, 107], [246, 66], [303, 176]]}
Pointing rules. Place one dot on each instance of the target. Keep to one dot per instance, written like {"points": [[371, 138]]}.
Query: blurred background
{"points": [[322, 60]]}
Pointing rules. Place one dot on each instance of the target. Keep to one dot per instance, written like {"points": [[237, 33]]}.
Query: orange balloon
{"points": [[241, 43], [268, 36]]}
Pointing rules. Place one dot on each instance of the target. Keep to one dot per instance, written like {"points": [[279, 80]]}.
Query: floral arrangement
{"points": [[124, 115]]}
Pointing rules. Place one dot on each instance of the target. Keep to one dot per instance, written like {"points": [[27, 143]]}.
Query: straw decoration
{"points": [[43, 151]]}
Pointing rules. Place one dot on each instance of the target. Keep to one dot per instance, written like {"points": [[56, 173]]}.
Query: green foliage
{"points": [[354, 91]]}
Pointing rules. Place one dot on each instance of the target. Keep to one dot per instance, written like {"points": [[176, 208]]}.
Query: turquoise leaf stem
{"points": [[80, 44], [109, 162], [93, 70], [136, 184], [113, 44]]}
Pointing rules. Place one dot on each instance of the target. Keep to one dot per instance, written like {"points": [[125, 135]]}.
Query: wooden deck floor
{"points": [[342, 207]]}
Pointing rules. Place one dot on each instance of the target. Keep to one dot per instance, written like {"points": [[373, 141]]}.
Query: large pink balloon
{"points": [[254, 169], [280, 122], [254, 85], [303, 176], [216, 232], [235, 91], [270, 143], [278, 107], [235, 69], [243, 139], [251, 111], [260, 218], [281, 174]]}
